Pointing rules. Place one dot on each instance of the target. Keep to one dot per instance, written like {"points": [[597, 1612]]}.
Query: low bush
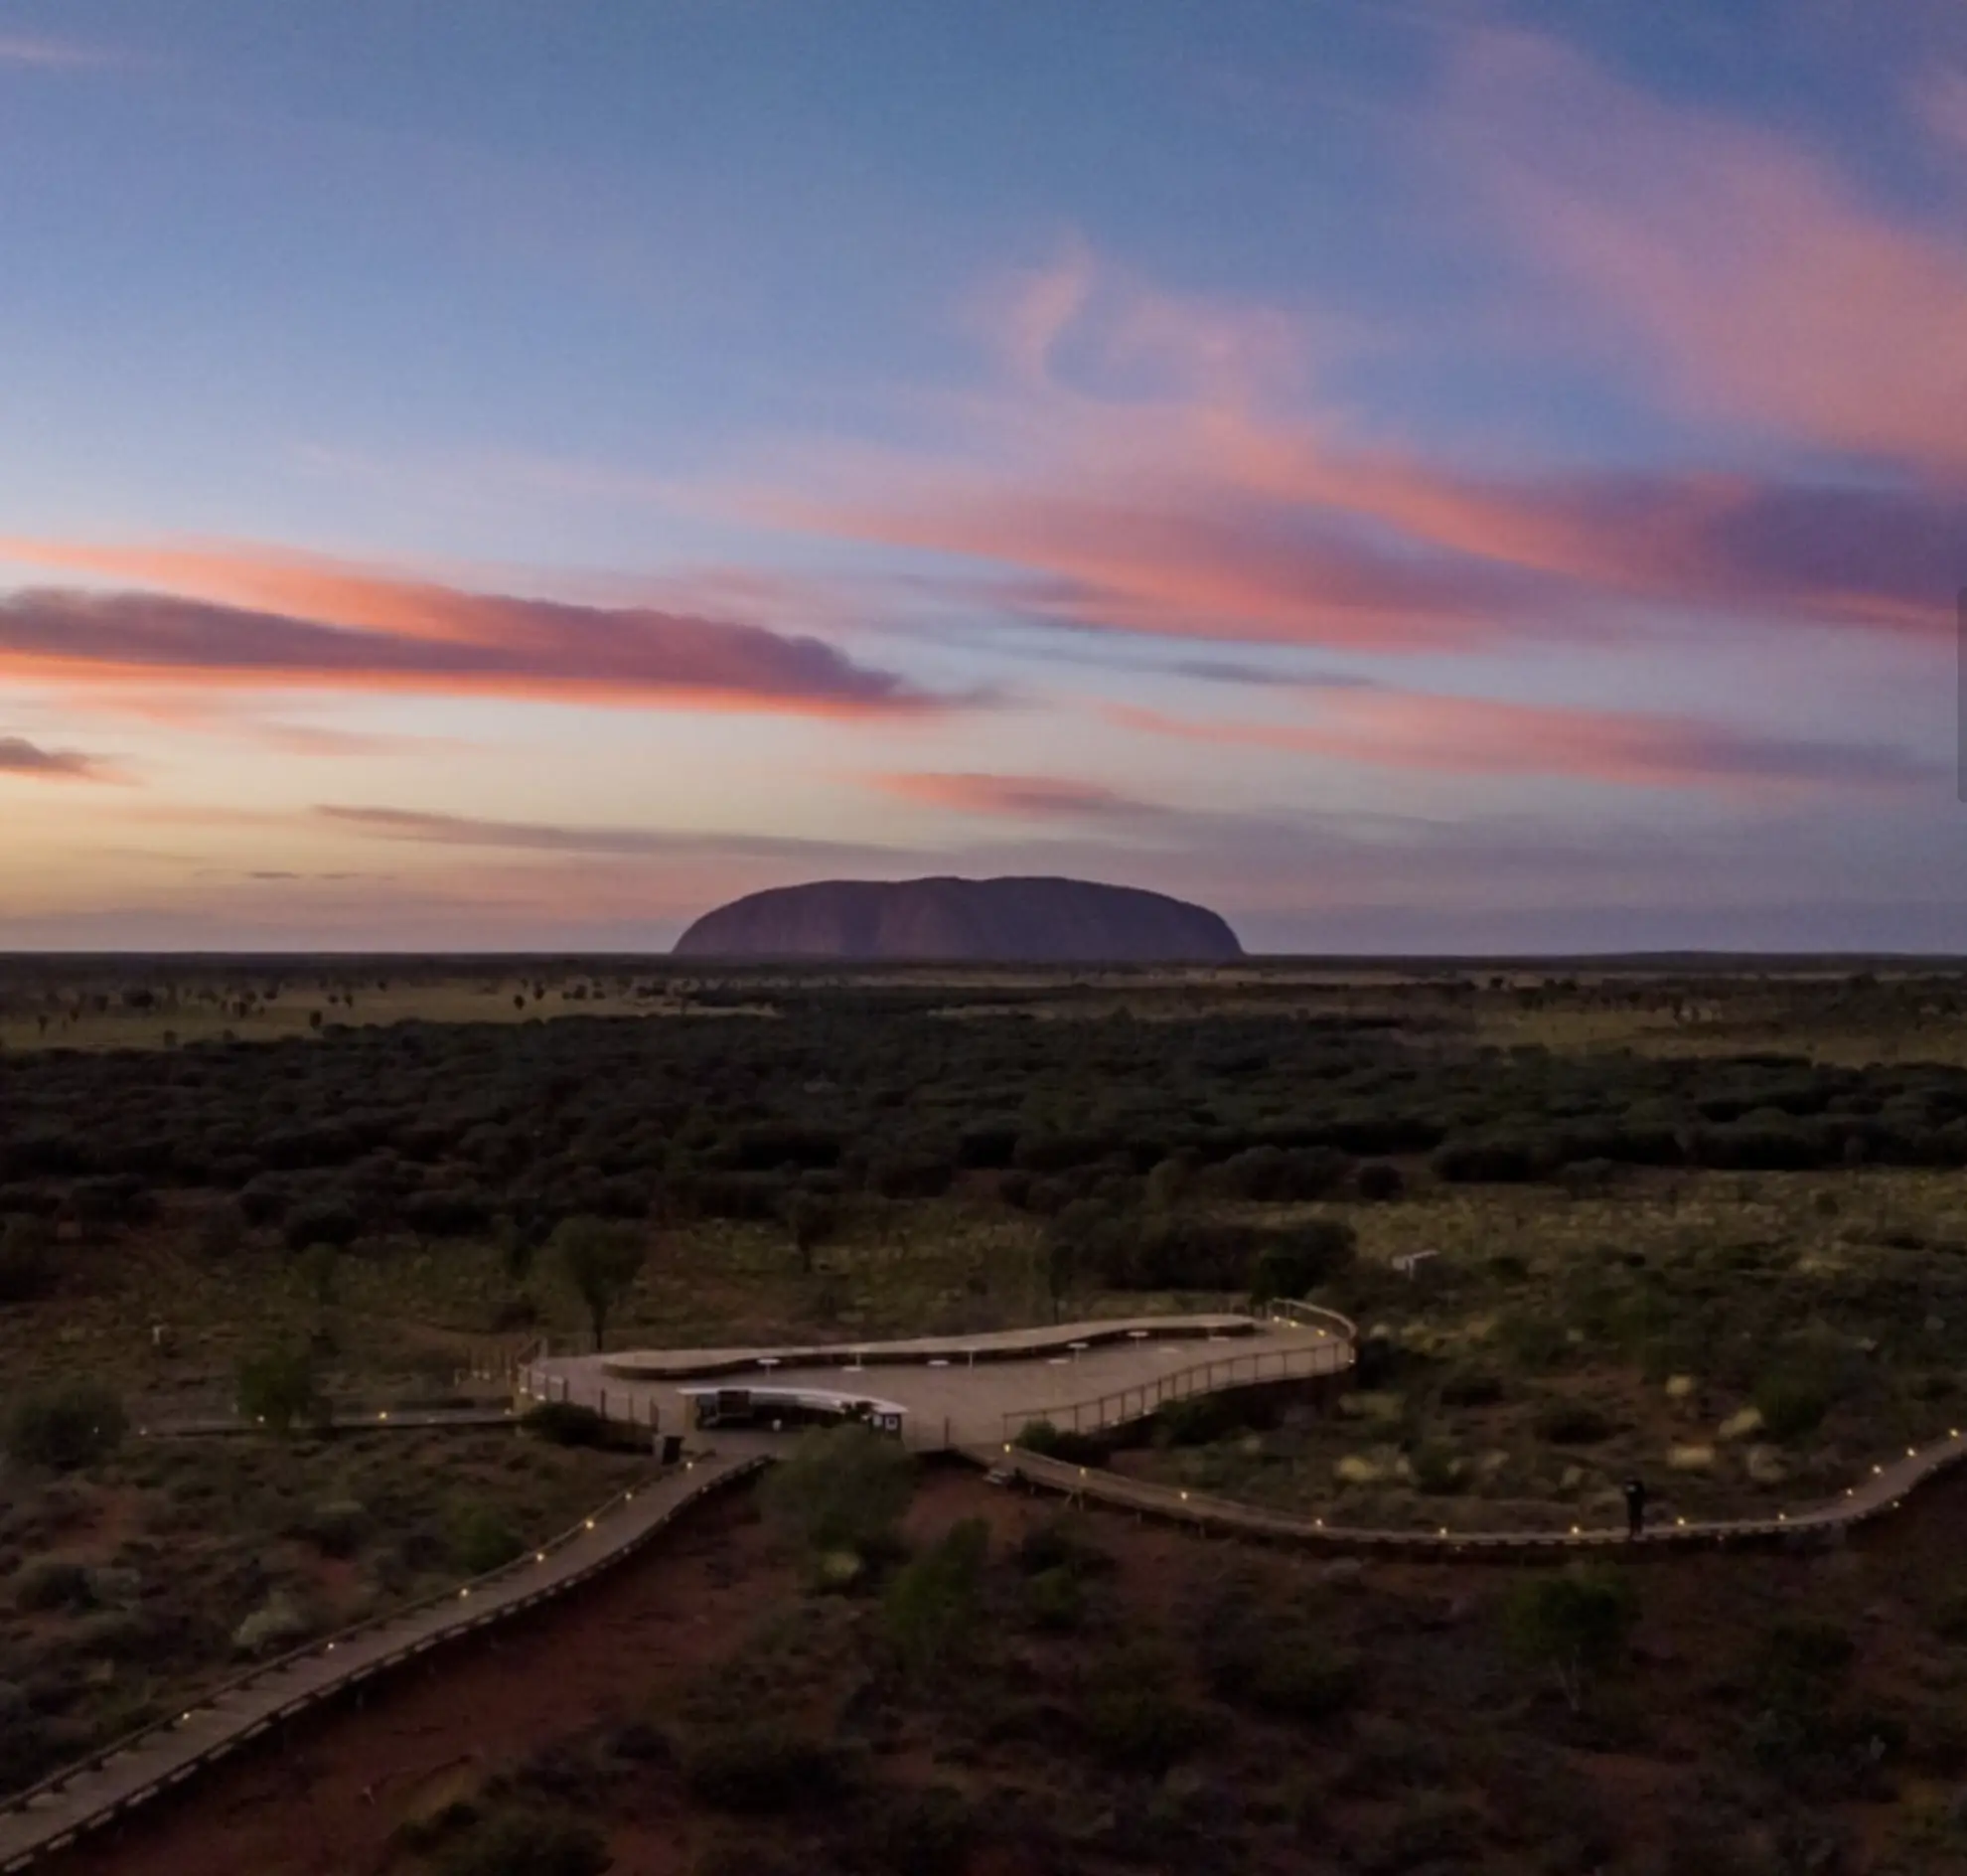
{"points": [[840, 1489], [278, 1388], [761, 1770], [927, 1832], [1792, 1402], [1574, 1422], [52, 1584], [565, 1423], [1378, 1182], [67, 1426], [526, 1843], [1052, 1442], [481, 1539], [1134, 1723]]}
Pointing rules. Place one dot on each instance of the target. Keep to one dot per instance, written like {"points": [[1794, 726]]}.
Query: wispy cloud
{"points": [[1484, 737], [445, 830], [1192, 495], [18, 756], [55, 55], [268, 621], [1015, 797], [1764, 286]]}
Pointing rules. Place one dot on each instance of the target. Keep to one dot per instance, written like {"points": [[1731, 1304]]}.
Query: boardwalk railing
{"points": [[21, 1845], [1883, 1490], [1298, 1361]]}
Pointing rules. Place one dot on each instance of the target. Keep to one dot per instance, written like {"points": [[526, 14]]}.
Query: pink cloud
{"points": [[1195, 504], [1762, 284], [262, 621], [1483, 736]]}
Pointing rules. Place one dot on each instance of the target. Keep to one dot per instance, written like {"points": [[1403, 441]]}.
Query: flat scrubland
{"points": [[1708, 1225]]}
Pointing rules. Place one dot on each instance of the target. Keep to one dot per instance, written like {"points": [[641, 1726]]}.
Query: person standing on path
{"points": [[1635, 1506]]}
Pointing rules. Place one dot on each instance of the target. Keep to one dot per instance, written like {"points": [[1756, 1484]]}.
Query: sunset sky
{"points": [[1412, 475]]}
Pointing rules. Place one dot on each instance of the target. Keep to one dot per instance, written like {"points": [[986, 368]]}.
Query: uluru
{"points": [[980, 922]]}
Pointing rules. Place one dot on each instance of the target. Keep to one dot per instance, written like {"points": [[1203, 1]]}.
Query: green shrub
{"points": [[481, 1539], [1575, 1622], [1062, 1543], [1055, 1601], [840, 1489], [1051, 1441], [1792, 1402], [934, 1607], [1134, 1724], [565, 1423], [65, 1425], [278, 1388]]}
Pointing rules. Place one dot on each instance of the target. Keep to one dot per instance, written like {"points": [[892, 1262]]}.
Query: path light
{"points": [[331, 1648], [1680, 1521], [1911, 1452], [1184, 1498], [466, 1590], [383, 1415], [1574, 1530], [1319, 1522], [539, 1556], [590, 1523]]}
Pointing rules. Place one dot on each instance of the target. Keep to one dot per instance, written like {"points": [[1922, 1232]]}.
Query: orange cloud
{"points": [[1483, 737], [274, 621]]}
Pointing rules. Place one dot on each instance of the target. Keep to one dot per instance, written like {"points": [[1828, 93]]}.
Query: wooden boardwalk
{"points": [[1881, 1490], [81, 1797]]}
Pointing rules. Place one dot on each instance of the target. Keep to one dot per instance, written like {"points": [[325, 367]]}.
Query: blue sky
{"points": [[1415, 476]]}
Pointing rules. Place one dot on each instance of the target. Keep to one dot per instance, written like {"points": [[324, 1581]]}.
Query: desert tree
{"points": [[600, 1260]]}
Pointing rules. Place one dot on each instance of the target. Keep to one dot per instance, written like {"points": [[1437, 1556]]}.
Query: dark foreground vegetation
{"points": [[1707, 1227]]}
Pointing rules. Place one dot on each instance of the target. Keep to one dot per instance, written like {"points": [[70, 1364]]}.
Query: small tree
{"points": [[278, 1388], [1071, 1248], [1298, 1261], [67, 1426], [600, 1261], [812, 1219], [935, 1605], [1573, 1624], [840, 1489]]}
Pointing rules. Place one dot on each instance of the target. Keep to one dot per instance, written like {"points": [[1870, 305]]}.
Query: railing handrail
{"points": [[1324, 1357]]}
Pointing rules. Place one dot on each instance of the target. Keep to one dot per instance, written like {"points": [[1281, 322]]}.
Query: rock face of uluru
{"points": [[983, 921]]}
